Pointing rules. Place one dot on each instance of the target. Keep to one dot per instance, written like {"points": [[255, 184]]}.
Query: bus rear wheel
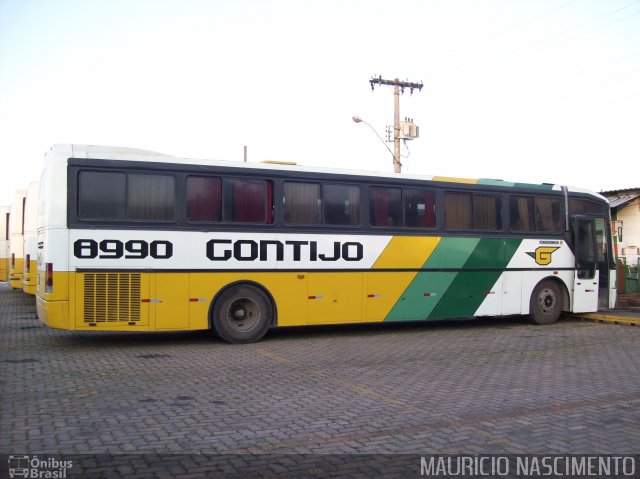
{"points": [[546, 303], [242, 314]]}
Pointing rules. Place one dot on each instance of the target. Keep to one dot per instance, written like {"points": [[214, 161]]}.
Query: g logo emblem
{"points": [[542, 254]]}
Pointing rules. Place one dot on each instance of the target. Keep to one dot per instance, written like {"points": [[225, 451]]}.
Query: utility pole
{"points": [[398, 87]]}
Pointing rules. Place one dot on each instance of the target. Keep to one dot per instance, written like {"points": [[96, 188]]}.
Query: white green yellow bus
{"points": [[16, 239], [5, 215], [30, 250], [131, 241]]}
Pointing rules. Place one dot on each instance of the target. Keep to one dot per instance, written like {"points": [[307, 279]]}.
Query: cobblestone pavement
{"points": [[493, 386]]}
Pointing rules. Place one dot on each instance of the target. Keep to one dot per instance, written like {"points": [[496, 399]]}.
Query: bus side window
{"points": [[341, 204], [204, 198], [151, 197], [487, 212], [301, 203], [102, 195], [548, 214], [248, 201], [419, 208], [458, 210], [521, 213], [385, 206]]}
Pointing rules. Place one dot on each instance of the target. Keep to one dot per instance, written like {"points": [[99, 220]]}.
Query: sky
{"points": [[528, 90]]}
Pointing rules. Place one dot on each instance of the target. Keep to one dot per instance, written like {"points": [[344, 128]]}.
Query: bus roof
{"points": [[135, 154]]}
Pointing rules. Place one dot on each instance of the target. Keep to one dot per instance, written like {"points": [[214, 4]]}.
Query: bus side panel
{"points": [[4, 268], [491, 305], [427, 289], [30, 277], [535, 260], [288, 290], [382, 291], [112, 300], [170, 300], [334, 298], [462, 280], [511, 300], [5, 218], [388, 293], [15, 271]]}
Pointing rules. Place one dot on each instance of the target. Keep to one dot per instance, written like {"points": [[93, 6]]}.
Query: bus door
{"points": [[586, 277], [605, 263]]}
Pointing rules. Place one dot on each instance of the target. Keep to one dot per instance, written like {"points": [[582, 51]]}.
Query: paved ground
{"points": [[491, 387]]}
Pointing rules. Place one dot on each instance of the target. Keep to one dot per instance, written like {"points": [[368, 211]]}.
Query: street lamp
{"points": [[396, 161]]}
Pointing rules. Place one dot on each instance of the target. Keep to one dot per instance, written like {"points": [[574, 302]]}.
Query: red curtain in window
{"points": [[429, 209], [203, 199], [252, 201], [380, 206], [269, 203]]}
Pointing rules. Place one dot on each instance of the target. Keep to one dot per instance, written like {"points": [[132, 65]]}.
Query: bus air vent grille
{"points": [[111, 297]]}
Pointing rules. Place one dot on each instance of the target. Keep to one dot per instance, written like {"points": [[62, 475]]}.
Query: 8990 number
{"points": [[114, 249]]}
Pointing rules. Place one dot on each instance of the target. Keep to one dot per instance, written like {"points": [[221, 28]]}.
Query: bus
{"points": [[135, 241], [16, 239], [30, 250], [5, 214]]}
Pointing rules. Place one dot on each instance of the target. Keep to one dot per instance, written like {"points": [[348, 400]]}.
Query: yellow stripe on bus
{"points": [[383, 289], [406, 252], [452, 179]]}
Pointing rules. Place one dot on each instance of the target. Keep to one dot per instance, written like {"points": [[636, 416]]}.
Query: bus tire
{"points": [[546, 303], [242, 314]]}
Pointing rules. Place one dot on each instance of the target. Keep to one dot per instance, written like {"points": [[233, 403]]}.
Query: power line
{"points": [[593, 29], [526, 22], [540, 45]]}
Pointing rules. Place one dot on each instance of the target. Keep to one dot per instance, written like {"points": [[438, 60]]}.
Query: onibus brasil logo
{"points": [[542, 254], [34, 467]]}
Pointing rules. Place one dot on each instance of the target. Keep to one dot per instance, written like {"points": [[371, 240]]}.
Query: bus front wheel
{"points": [[546, 303], [242, 314]]}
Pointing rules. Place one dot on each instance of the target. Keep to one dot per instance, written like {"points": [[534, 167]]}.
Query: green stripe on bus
{"points": [[468, 290], [546, 186], [424, 292], [490, 182]]}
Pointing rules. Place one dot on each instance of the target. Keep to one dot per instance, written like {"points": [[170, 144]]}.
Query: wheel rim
{"points": [[243, 314], [547, 301]]}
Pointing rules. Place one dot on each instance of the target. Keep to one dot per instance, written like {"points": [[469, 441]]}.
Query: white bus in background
{"points": [[30, 253], [5, 212], [16, 239]]}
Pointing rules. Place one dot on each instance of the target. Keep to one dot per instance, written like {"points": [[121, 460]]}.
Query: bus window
{"points": [[521, 213], [204, 198], [101, 195], [487, 212], [302, 203], [151, 197], [341, 204], [529, 213], [385, 206], [584, 207], [548, 214], [584, 248], [248, 201], [457, 210], [419, 208]]}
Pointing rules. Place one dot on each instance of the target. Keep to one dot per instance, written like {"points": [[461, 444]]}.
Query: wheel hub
{"points": [[548, 300]]}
